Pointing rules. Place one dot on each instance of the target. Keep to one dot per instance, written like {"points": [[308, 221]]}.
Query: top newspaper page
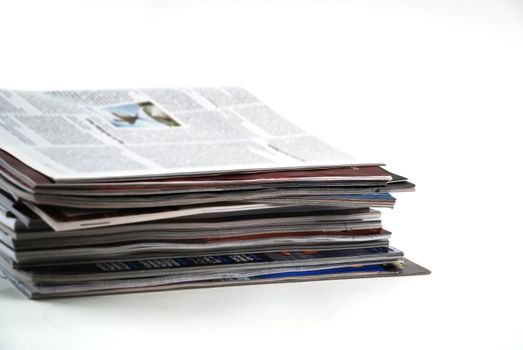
{"points": [[94, 135]]}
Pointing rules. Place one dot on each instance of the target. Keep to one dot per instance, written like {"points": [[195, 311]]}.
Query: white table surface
{"points": [[432, 88]]}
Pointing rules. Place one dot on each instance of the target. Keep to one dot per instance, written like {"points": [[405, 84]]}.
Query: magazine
{"points": [[113, 191], [93, 135]]}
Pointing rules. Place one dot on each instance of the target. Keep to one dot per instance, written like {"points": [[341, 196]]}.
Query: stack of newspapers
{"points": [[118, 191]]}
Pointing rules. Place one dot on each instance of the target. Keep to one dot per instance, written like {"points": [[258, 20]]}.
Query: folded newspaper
{"points": [[112, 191]]}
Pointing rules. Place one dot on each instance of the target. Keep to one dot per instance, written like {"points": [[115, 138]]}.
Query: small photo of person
{"points": [[139, 115]]}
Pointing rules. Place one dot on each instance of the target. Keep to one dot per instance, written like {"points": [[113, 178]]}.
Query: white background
{"points": [[432, 88]]}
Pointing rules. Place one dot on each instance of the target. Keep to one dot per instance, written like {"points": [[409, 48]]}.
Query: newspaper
{"points": [[93, 134]]}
